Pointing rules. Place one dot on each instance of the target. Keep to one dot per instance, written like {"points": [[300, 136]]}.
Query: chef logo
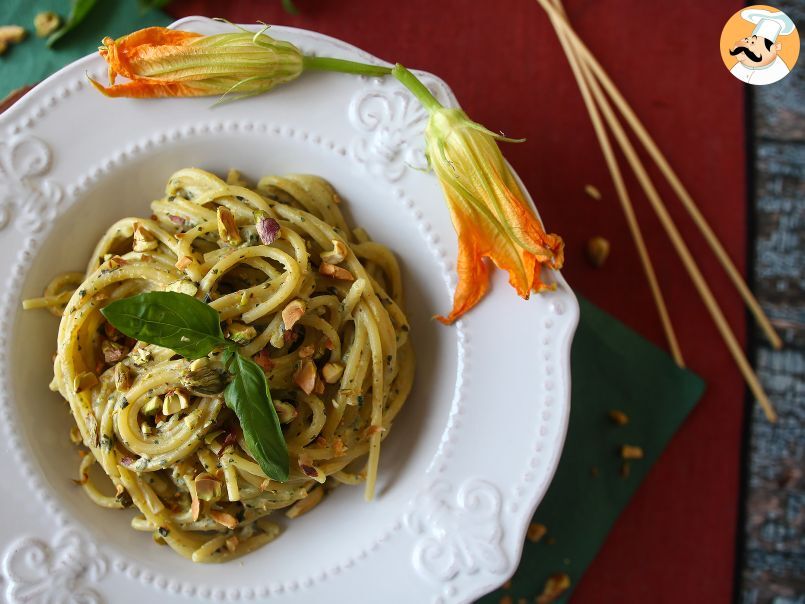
{"points": [[760, 45]]}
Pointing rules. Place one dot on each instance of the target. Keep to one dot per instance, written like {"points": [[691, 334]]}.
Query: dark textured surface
{"points": [[774, 539]]}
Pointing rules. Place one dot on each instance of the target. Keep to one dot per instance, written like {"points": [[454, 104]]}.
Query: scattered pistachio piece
{"points": [[555, 586], [268, 229], [263, 359], [204, 381], [631, 452], [173, 402], [337, 254], [227, 227], [207, 487], [46, 22], [292, 312], [240, 333], [153, 405], [223, 518], [305, 505], [592, 192], [331, 372], [305, 376], [310, 470], [597, 251], [618, 417], [10, 34], [183, 286], [336, 272], [122, 377], [84, 381], [143, 240], [113, 352], [232, 544], [140, 355], [536, 531], [183, 262]]}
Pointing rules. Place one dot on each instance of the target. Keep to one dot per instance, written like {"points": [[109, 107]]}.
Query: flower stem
{"points": [[419, 90], [344, 66]]}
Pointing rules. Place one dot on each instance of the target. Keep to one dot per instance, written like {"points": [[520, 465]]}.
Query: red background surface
{"points": [[676, 540]]}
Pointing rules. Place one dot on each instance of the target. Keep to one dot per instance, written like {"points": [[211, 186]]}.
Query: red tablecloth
{"points": [[676, 540]]}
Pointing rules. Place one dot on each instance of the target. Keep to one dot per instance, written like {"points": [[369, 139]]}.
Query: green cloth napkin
{"points": [[32, 61], [612, 368]]}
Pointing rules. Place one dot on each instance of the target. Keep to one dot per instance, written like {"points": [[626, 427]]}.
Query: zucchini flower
{"points": [[489, 210], [161, 62]]}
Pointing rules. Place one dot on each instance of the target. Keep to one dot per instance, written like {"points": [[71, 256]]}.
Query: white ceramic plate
{"points": [[470, 456]]}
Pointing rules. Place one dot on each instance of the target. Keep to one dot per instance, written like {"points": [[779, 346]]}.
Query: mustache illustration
{"points": [[743, 49]]}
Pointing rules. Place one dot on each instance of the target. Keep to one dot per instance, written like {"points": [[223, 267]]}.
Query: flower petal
{"points": [[148, 89]]}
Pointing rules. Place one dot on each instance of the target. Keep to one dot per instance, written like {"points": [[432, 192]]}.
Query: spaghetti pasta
{"points": [[318, 306]]}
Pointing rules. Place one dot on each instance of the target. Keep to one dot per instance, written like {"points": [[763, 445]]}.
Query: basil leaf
{"points": [[170, 319], [79, 9], [248, 396]]}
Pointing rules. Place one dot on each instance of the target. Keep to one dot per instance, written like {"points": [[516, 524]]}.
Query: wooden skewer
{"points": [[676, 184], [665, 219], [623, 196]]}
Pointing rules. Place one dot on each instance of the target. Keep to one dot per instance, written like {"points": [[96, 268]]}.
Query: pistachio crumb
{"points": [[631, 452], [536, 531], [618, 417]]}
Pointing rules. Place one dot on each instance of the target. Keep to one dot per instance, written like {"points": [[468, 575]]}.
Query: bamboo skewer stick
{"points": [[668, 172], [673, 233], [623, 196]]}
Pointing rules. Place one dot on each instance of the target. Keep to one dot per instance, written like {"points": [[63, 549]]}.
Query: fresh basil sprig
{"points": [[168, 319], [249, 379], [192, 329]]}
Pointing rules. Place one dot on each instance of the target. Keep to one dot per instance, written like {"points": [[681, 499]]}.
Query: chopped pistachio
{"points": [[10, 34], [227, 227], [183, 286], [140, 356], [207, 487], [205, 381], [183, 262], [555, 586], [152, 406], [46, 22], [305, 376], [336, 272], [232, 544], [331, 372], [143, 239], [227, 520], [597, 251], [631, 452], [84, 381], [592, 192], [240, 333], [173, 402], [311, 471], [146, 428], [337, 254], [113, 352], [618, 417], [292, 312], [536, 531]]}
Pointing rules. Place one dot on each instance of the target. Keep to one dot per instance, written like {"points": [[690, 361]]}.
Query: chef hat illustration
{"points": [[768, 25]]}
